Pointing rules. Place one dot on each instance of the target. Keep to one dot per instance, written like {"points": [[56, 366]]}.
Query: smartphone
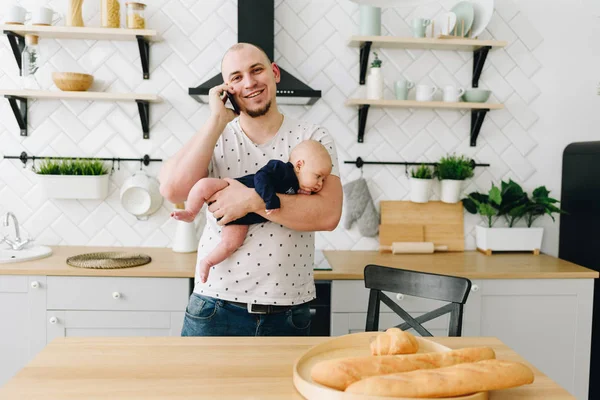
{"points": [[236, 108]]}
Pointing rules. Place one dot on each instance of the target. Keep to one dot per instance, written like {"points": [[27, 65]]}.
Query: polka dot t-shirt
{"points": [[274, 265]]}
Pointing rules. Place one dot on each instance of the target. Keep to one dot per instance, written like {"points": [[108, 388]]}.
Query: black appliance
{"points": [[320, 309], [580, 229], [256, 25]]}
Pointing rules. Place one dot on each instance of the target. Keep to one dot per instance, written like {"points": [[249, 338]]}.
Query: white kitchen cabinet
{"points": [[547, 321], [22, 324]]}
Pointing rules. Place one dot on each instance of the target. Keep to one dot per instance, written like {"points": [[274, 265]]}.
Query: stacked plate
{"points": [[466, 18]]}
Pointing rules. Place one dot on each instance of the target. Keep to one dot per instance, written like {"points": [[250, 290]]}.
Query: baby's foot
{"points": [[204, 270], [183, 215]]}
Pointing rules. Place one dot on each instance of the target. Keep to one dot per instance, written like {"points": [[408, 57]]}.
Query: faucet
{"points": [[18, 243]]}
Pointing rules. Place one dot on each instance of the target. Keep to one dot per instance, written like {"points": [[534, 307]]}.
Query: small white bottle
{"points": [[375, 80]]}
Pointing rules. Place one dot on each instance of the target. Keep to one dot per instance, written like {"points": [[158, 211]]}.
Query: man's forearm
{"points": [[190, 164]]}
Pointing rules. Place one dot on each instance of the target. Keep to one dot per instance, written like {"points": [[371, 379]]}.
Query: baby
{"points": [[305, 172]]}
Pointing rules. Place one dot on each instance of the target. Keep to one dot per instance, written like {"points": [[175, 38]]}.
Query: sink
{"points": [[26, 254]]}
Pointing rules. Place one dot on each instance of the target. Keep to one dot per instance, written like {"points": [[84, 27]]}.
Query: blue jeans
{"points": [[207, 316]]}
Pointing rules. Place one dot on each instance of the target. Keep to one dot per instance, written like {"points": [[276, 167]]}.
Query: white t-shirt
{"points": [[274, 265]]}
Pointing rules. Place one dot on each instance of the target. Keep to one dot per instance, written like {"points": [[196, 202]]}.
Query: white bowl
{"points": [[140, 195]]}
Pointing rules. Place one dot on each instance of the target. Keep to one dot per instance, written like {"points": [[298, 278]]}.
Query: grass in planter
{"points": [[454, 167], [423, 172], [72, 167]]}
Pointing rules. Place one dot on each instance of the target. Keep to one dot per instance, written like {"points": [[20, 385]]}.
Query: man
{"points": [[265, 286]]}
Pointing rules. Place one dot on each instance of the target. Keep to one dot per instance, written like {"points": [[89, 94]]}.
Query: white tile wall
{"points": [[311, 39]]}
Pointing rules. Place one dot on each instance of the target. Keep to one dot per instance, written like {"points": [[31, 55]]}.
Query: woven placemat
{"points": [[108, 260]]}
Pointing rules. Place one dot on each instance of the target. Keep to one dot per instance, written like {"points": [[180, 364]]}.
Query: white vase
{"points": [[375, 84], [509, 239], [75, 186], [451, 190], [420, 190], [185, 240]]}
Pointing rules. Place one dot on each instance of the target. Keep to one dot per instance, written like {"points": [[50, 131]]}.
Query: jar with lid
{"points": [[110, 13], [135, 15]]}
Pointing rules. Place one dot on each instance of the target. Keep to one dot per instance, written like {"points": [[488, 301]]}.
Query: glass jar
{"points": [[135, 15], [110, 14]]}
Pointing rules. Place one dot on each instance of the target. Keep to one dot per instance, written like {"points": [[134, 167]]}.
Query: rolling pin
{"points": [[412, 248]]}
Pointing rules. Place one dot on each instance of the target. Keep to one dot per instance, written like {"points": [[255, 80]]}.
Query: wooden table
{"points": [[199, 368]]}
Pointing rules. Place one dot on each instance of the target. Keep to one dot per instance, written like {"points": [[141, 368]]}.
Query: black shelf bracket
{"points": [[20, 111], [144, 55], [479, 57], [17, 44], [363, 112], [365, 49], [144, 109], [477, 117]]}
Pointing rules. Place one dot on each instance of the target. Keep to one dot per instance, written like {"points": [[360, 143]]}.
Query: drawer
{"points": [[352, 296], [117, 293]]}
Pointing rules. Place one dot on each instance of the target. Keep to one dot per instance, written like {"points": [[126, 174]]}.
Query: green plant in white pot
{"points": [[421, 179], [511, 203], [452, 170], [73, 179]]}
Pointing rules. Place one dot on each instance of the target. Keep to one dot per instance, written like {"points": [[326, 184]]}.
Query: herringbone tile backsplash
{"points": [[311, 42]]}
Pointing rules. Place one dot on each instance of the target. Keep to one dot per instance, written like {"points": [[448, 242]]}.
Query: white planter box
{"points": [[75, 186], [420, 190], [509, 239]]}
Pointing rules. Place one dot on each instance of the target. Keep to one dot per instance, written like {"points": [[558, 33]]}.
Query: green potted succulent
{"points": [[421, 179], [73, 179], [452, 170], [511, 203]]}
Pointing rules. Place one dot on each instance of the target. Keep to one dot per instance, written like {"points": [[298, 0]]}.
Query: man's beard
{"points": [[260, 112]]}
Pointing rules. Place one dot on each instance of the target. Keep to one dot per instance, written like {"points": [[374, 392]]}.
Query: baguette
{"points": [[456, 380], [394, 341], [340, 373]]}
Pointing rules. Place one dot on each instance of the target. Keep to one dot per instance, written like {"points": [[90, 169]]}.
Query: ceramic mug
{"points": [[419, 25], [140, 195], [402, 86], [44, 16], [425, 92], [16, 15], [452, 93]]}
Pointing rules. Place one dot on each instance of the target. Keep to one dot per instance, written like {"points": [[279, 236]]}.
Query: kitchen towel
{"points": [[360, 208]]}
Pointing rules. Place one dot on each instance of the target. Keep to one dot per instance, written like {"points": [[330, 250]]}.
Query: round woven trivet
{"points": [[108, 260]]}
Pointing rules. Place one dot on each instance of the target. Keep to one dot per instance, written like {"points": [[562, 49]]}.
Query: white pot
{"points": [[140, 195], [375, 84], [509, 239], [420, 190], [75, 186], [451, 190]]}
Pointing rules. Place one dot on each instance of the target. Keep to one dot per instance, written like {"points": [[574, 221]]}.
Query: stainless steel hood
{"points": [[256, 25]]}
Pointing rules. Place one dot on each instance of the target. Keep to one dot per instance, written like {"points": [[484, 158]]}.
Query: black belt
{"points": [[261, 308]]}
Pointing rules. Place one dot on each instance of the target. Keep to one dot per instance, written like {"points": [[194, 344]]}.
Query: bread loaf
{"points": [[456, 380], [340, 373], [394, 341]]}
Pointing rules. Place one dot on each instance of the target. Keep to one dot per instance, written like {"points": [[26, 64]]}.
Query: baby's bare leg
{"points": [[232, 238], [200, 193]]}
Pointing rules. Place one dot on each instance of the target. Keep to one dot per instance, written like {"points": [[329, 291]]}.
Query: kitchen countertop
{"points": [[224, 368]]}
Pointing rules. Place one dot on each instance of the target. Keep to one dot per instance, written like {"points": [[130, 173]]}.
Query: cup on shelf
{"points": [[45, 16], [425, 92], [16, 15], [402, 86], [419, 25], [452, 94]]}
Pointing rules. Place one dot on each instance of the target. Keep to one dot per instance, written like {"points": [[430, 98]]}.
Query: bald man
{"points": [[262, 289]]}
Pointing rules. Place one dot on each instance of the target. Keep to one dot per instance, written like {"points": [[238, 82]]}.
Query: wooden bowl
{"points": [[72, 81]]}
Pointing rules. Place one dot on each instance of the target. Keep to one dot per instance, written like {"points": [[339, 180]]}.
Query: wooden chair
{"points": [[452, 289]]}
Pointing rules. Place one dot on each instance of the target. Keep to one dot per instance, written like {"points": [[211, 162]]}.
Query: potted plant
{"points": [[511, 203], [420, 184], [73, 179], [452, 170]]}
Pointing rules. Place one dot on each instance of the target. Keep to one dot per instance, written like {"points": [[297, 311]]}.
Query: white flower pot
{"points": [[420, 190], [451, 190], [75, 186], [509, 239]]}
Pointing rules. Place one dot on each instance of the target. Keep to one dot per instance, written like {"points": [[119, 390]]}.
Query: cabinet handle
{"points": [[53, 320], [35, 284], [399, 296], [116, 295], [474, 288]]}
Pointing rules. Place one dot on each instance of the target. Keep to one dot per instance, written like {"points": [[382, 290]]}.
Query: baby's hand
{"points": [[269, 212], [301, 191]]}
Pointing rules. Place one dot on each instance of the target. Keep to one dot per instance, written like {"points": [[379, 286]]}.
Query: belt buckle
{"points": [[251, 311]]}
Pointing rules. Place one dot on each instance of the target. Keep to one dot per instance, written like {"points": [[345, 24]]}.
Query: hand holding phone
{"points": [[236, 108]]}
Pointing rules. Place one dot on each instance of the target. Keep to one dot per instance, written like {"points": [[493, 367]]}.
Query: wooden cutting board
{"points": [[443, 224], [390, 233]]}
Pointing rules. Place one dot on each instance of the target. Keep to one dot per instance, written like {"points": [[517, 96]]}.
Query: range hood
{"points": [[256, 25]]}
